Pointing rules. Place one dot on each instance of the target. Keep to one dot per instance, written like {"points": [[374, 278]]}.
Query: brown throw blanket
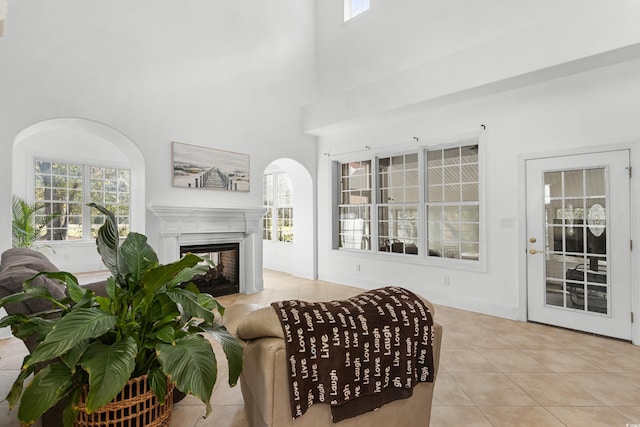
{"points": [[356, 354]]}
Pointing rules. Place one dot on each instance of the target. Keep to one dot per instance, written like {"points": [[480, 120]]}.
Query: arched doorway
{"points": [[289, 241]]}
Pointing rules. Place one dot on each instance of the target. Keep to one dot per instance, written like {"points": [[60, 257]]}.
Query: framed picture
{"points": [[208, 168]]}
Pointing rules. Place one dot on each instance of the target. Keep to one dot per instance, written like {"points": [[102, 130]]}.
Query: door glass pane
{"points": [[595, 182], [553, 184], [573, 183], [576, 244]]}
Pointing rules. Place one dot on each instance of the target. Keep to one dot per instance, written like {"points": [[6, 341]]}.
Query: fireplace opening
{"points": [[224, 277]]}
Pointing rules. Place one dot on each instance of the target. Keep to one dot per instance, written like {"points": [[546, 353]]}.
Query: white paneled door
{"points": [[578, 242]]}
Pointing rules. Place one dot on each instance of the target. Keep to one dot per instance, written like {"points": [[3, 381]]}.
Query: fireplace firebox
{"points": [[224, 277]]}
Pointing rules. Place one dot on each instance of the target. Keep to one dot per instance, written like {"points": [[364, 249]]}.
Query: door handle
{"points": [[533, 251]]}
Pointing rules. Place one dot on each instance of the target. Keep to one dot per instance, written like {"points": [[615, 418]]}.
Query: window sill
{"points": [[436, 262]]}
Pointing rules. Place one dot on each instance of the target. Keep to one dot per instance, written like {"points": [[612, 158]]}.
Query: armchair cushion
{"points": [[262, 323]]}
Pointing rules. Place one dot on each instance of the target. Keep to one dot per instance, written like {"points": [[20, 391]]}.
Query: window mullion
{"points": [[422, 214], [375, 203], [86, 198]]}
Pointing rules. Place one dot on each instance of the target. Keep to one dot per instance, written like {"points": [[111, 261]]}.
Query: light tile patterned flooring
{"points": [[493, 372]]}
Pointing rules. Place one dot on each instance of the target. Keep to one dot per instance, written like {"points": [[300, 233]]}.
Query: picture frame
{"points": [[206, 168]]}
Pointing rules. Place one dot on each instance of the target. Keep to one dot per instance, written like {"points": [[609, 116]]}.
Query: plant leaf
{"points": [[138, 255], [45, 390], [71, 409], [109, 368], [191, 366], [76, 292], [29, 292], [155, 278], [76, 326], [189, 303], [166, 334], [232, 349], [158, 383], [32, 325], [186, 275], [18, 385], [108, 240], [72, 357]]}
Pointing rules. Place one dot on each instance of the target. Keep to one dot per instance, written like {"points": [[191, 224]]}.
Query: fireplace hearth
{"points": [[223, 278]]}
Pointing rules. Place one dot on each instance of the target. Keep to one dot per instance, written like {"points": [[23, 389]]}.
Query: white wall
{"points": [[540, 75], [226, 75], [594, 108], [456, 51]]}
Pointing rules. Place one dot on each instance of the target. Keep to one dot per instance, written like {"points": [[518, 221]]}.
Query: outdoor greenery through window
{"points": [[277, 195], [423, 199], [66, 189]]}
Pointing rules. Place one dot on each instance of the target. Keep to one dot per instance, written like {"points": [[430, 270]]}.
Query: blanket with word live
{"points": [[357, 354]]}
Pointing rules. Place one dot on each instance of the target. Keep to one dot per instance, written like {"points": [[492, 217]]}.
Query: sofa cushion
{"points": [[19, 265], [11, 281], [22, 257]]}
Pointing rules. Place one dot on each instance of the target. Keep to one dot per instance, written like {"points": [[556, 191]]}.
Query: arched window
{"points": [[277, 197]]}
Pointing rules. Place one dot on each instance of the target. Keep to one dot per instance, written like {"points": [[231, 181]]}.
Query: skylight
{"points": [[3, 15], [353, 8]]}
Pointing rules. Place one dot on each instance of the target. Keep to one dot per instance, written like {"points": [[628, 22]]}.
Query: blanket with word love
{"points": [[357, 354]]}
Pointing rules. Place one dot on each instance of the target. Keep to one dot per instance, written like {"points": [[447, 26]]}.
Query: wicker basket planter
{"points": [[135, 406]]}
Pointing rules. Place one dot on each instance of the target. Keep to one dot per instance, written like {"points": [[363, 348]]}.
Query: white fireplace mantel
{"points": [[188, 225]]}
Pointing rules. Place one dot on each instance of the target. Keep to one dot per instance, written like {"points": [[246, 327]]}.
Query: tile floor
{"points": [[493, 372]]}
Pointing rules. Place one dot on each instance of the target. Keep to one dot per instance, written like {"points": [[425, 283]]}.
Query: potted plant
{"points": [[151, 323], [26, 226]]}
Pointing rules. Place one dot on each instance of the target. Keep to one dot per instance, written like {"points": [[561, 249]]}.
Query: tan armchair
{"points": [[265, 385]]}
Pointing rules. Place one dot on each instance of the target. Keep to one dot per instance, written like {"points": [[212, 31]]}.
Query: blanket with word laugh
{"points": [[357, 354]]}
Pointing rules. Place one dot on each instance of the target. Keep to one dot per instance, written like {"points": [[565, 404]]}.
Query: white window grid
{"points": [[67, 188], [408, 216], [354, 205], [278, 199]]}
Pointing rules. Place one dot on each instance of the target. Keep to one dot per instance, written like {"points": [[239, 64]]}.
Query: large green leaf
{"points": [[108, 240], [71, 357], [109, 368], [189, 303], [32, 325], [29, 292], [18, 386], [191, 366], [45, 390], [76, 326], [138, 255], [157, 277], [13, 319], [188, 274], [76, 292], [232, 349], [72, 408], [166, 334], [158, 383]]}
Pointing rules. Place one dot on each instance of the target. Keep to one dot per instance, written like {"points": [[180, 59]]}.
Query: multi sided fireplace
{"points": [[197, 227], [223, 277]]}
